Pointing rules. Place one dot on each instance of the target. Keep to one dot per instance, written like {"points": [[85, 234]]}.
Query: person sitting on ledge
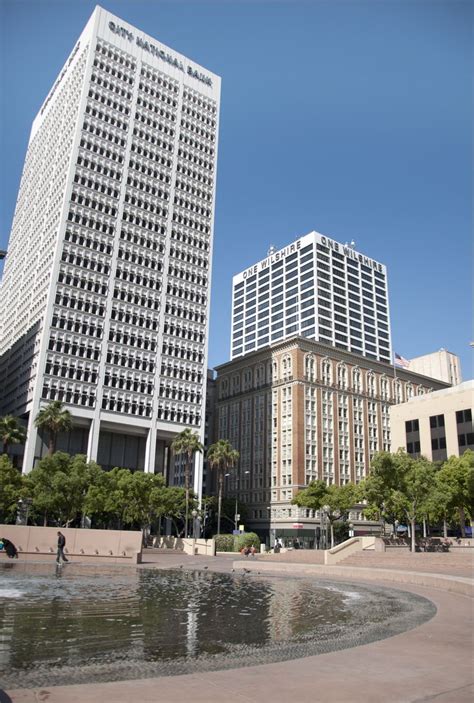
{"points": [[10, 549]]}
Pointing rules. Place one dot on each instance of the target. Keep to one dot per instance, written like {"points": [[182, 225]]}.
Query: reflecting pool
{"points": [[80, 624]]}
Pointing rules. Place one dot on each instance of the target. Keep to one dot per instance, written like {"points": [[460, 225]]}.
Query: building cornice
{"points": [[266, 354]]}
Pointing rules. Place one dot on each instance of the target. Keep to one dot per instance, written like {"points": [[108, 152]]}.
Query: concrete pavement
{"points": [[432, 662]]}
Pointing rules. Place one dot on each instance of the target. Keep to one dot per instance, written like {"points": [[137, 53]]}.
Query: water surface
{"points": [[78, 624]]}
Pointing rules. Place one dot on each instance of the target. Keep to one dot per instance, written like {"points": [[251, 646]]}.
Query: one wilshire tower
{"points": [[105, 293], [317, 288]]}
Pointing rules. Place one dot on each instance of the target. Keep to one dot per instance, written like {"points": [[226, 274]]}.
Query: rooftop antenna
{"points": [[351, 245], [271, 250]]}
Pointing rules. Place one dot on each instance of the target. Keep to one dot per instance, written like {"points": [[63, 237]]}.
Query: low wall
{"points": [[202, 547], [350, 546], [40, 543], [454, 584]]}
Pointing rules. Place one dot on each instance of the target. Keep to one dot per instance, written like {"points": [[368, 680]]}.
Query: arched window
{"points": [[224, 387], [420, 390], [356, 379], [235, 384], [310, 367], [326, 371], [286, 366], [269, 372], [260, 375], [247, 379], [384, 388], [275, 371], [398, 391], [371, 383], [409, 391], [342, 376]]}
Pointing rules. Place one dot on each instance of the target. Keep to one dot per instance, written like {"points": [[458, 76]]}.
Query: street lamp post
{"points": [[236, 507], [196, 524], [24, 504], [326, 510]]}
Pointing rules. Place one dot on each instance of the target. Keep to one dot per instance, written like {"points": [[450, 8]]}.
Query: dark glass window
{"points": [[463, 416], [437, 421]]}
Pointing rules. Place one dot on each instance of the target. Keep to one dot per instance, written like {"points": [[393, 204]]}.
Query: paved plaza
{"points": [[432, 662]]}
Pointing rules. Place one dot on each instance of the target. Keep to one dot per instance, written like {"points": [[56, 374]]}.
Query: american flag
{"points": [[401, 361]]}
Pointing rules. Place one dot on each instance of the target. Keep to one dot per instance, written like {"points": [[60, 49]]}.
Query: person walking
{"points": [[61, 544]]}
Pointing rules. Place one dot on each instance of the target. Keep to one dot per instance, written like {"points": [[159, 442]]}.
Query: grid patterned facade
{"points": [[316, 288], [110, 251], [302, 410]]}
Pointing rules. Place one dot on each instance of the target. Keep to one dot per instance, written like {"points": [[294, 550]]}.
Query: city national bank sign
{"points": [[326, 242], [159, 53]]}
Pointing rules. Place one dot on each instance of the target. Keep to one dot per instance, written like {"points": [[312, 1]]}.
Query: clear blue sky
{"points": [[349, 117]]}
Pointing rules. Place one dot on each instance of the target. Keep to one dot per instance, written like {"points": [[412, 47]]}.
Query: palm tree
{"points": [[187, 443], [221, 456], [11, 432], [54, 419]]}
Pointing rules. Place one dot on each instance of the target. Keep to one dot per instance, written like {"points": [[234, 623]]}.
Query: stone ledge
{"points": [[453, 584]]}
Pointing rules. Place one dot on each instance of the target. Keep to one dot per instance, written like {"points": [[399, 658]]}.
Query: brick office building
{"points": [[301, 410]]}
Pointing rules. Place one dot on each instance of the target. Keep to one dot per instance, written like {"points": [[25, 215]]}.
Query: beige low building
{"points": [[437, 425], [442, 364], [301, 410]]}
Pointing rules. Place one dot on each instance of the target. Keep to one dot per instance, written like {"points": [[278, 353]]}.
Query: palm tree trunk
{"points": [[332, 534], [51, 443], [219, 504], [186, 486], [5, 448]]}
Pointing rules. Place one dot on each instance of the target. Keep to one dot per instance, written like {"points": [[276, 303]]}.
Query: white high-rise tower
{"points": [[105, 295], [317, 288]]}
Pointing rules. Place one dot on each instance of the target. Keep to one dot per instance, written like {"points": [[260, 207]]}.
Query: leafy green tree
{"points": [[11, 432], [399, 486], [455, 481], [187, 444], [54, 419], [58, 486], [416, 478], [340, 500], [11, 482], [221, 456], [228, 511], [106, 498], [378, 487], [120, 497], [438, 506], [312, 497], [172, 504], [41, 485]]}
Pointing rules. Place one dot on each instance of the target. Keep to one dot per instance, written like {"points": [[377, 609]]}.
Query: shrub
{"points": [[248, 539], [341, 531], [224, 543]]}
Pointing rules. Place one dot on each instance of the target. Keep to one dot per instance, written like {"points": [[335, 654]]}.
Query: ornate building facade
{"points": [[299, 411]]}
